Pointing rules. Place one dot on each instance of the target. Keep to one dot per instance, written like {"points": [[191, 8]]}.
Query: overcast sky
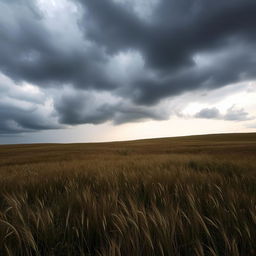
{"points": [[94, 70]]}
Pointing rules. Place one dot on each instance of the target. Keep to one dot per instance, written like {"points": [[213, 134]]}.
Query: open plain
{"points": [[192, 195]]}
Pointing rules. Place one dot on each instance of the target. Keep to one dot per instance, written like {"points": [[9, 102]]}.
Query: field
{"points": [[188, 196]]}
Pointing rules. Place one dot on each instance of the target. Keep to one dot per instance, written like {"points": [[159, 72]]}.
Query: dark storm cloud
{"points": [[128, 113], [185, 45], [79, 108], [30, 52], [76, 107], [16, 119], [177, 32], [178, 28], [24, 109]]}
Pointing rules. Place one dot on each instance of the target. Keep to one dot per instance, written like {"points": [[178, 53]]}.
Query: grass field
{"points": [[173, 196]]}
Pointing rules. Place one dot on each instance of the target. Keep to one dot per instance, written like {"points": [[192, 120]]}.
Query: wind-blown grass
{"points": [[162, 197]]}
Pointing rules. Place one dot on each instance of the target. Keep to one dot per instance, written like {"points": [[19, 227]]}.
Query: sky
{"points": [[94, 70]]}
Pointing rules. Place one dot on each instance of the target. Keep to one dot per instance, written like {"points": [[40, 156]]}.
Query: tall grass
{"points": [[129, 204]]}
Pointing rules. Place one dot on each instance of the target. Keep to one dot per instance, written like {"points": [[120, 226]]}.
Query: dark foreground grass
{"points": [[181, 196]]}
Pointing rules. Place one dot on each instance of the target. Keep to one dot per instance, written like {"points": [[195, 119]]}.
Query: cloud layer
{"points": [[94, 61], [232, 114]]}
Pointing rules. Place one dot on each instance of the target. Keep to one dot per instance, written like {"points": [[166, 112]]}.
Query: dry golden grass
{"points": [[175, 196]]}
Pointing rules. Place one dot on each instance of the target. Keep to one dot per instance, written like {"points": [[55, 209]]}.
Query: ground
{"points": [[191, 195]]}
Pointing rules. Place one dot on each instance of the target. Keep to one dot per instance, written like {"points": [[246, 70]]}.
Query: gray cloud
{"points": [[78, 107], [24, 109], [31, 51], [138, 56], [177, 30], [171, 41], [209, 113], [232, 114], [15, 119]]}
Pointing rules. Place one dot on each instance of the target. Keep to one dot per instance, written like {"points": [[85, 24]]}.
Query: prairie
{"points": [[192, 195]]}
